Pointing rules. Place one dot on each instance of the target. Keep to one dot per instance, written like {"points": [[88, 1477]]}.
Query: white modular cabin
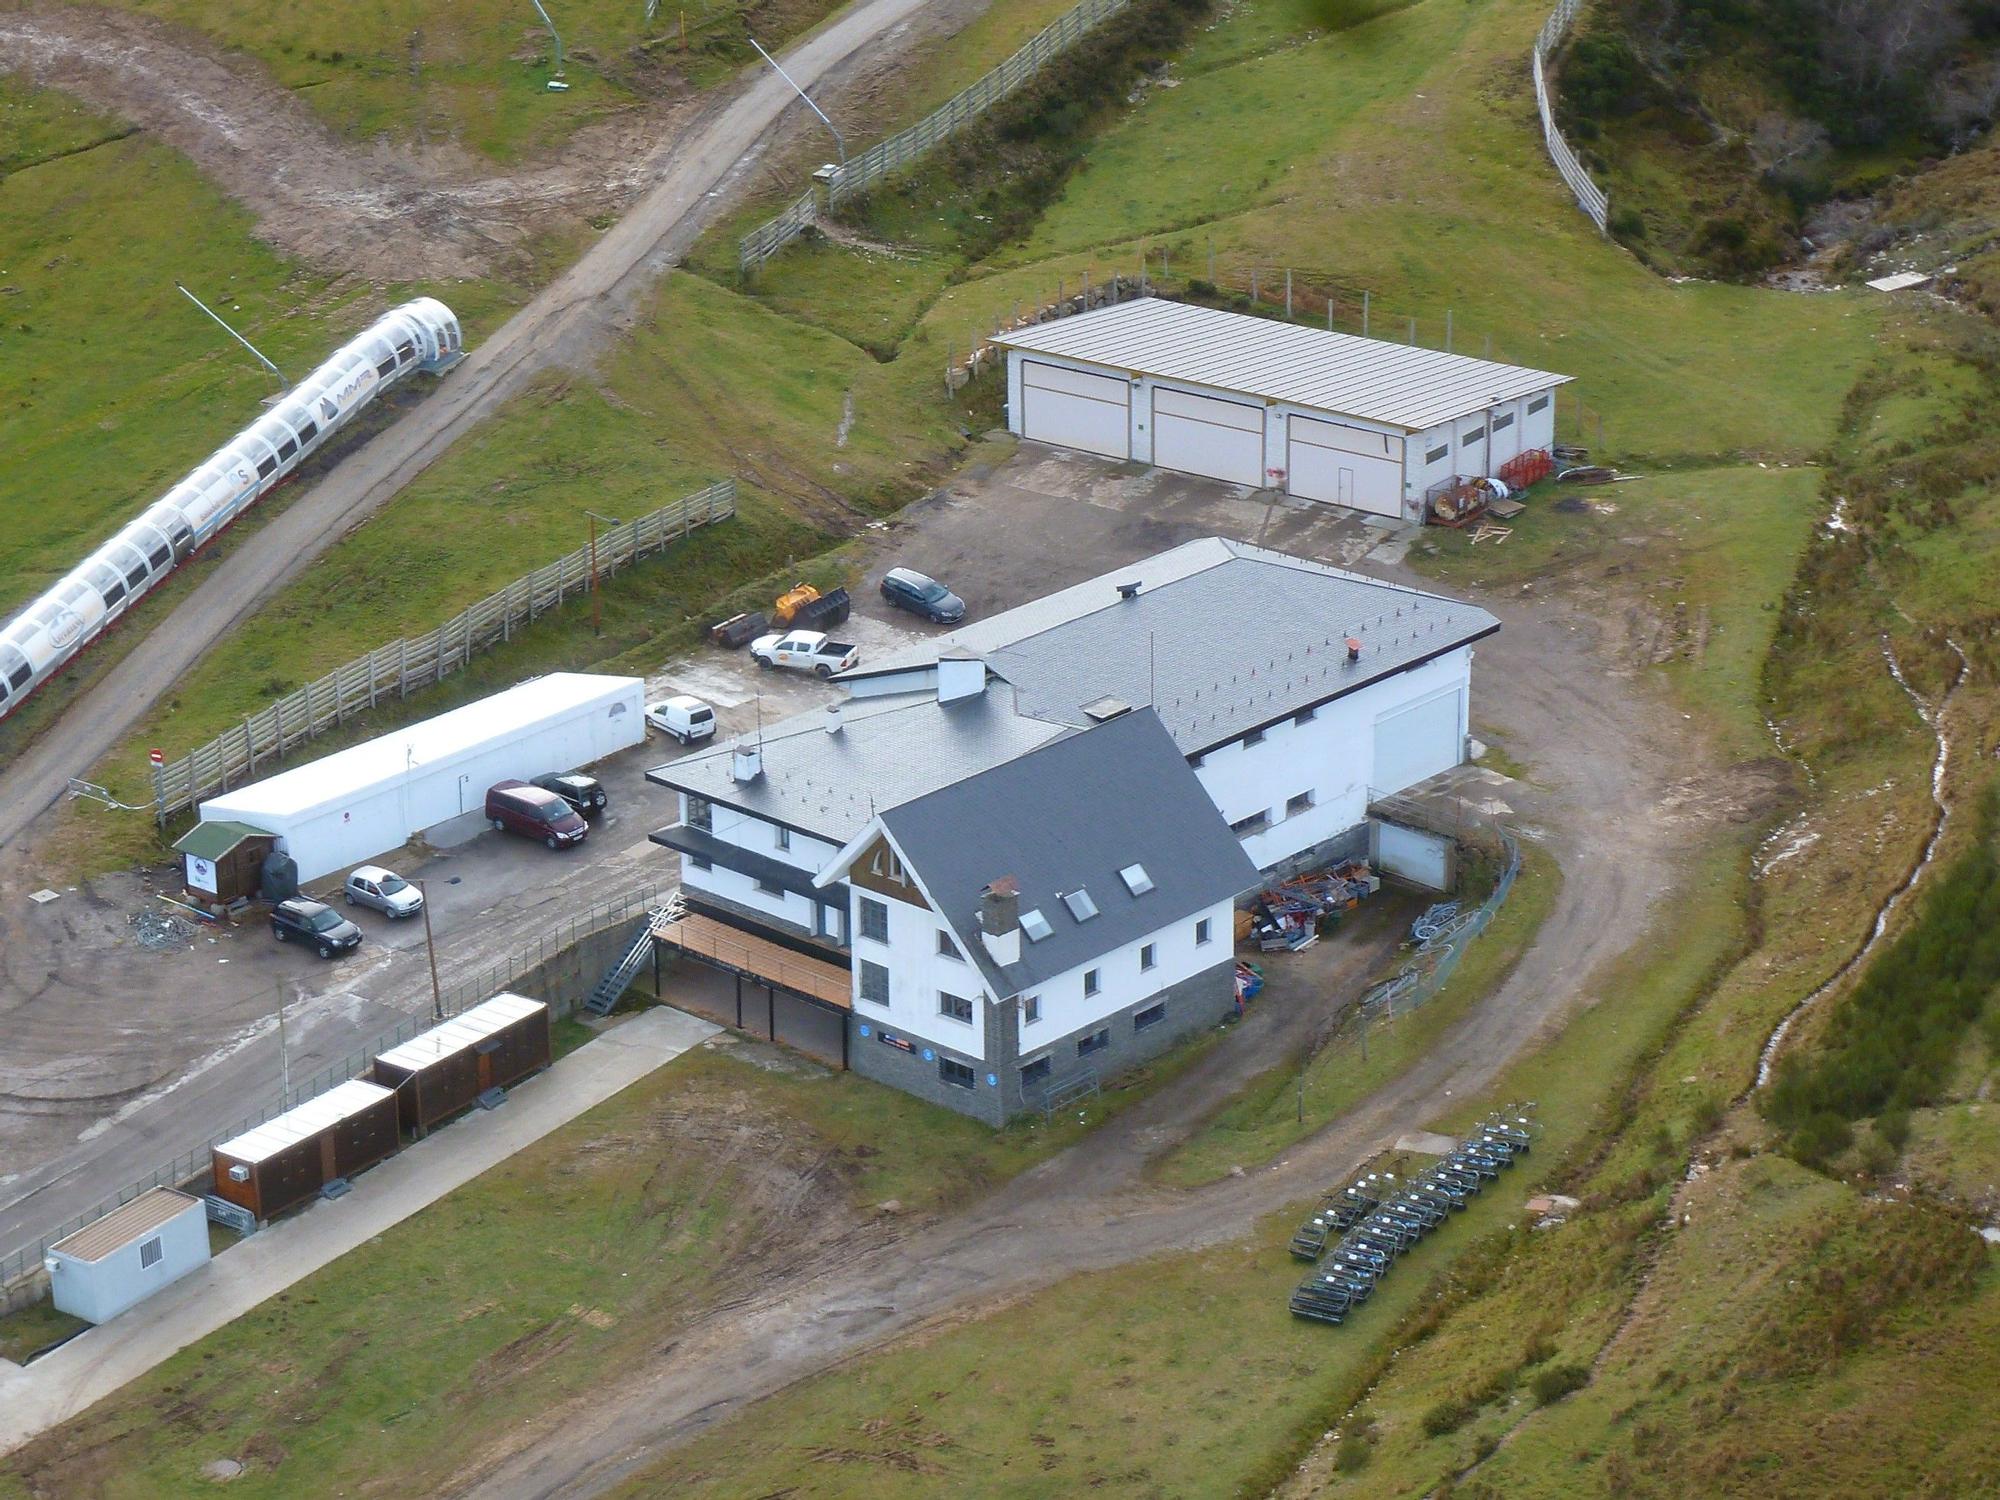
{"points": [[128, 1255], [1324, 416], [362, 802]]}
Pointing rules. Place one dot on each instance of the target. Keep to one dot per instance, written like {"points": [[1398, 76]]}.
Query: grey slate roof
{"points": [[1222, 638], [891, 749], [1073, 814], [1398, 385]]}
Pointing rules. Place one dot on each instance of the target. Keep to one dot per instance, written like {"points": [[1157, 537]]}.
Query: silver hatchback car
{"points": [[387, 892]]}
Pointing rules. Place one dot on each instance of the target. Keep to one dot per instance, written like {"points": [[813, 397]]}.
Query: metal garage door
{"points": [[1416, 742], [1344, 466], [1075, 409], [1201, 435]]}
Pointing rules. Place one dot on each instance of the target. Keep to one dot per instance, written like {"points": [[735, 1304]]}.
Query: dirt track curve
{"points": [[1616, 823], [566, 323]]}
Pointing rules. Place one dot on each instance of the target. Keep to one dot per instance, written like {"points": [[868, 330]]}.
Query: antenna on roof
{"points": [[1152, 691]]}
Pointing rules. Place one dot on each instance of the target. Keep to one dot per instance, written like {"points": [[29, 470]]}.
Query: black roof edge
{"points": [[1354, 687]]}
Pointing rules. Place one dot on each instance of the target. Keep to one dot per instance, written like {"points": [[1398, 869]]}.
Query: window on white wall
{"points": [[701, 814], [947, 948], [769, 889], [1254, 737], [1438, 455], [874, 920], [1540, 403], [782, 837], [150, 1252], [1090, 985], [1305, 716], [1031, 1009], [1296, 805], [1149, 957], [874, 983], [1201, 932], [1257, 822], [955, 1006]]}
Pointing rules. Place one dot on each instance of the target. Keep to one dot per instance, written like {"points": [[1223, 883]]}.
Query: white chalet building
{"points": [[1259, 704]]}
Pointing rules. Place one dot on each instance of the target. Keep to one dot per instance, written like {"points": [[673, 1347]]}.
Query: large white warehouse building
{"points": [[366, 800], [1324, 416]]}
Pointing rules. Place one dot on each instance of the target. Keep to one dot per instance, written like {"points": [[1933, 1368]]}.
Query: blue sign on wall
{"points": [[864, 1029], [929, 1056], [993, 1080]]}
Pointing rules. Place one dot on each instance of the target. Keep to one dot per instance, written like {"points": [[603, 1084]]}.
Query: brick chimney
{"points": [[1000, 920]]}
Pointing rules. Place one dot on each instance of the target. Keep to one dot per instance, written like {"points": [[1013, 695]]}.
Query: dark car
{"points": [[920, 595], [316, 923], [584, 793], [516, 807]]}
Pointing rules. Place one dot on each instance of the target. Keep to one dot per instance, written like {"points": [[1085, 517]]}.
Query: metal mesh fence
{"points": [[1589, 196], [464, 992], [905, 146], [1425, 971], [397, 669]]}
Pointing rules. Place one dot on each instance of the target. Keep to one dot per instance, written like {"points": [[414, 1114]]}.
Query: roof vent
{"points": [[1129, 590], [1137, 881], [1080, 905], [1353, 649], [1107, 707], [834, 722], [746, 763]]}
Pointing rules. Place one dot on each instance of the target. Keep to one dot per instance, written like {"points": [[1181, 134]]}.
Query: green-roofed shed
{"points": [[223, 861]]}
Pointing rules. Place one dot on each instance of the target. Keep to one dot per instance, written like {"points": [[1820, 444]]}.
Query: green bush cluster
{"points": [[1894, 1039]]}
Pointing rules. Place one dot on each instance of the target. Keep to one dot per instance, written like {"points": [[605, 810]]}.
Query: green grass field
{"points": [[115, 386], [473, 73]]}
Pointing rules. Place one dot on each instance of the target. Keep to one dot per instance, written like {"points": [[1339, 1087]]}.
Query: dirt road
{"points": [[567, 323], [1612, 758]]}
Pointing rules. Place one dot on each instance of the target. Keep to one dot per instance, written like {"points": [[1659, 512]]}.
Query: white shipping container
{"points": [[129, 1254], [363, 802]]}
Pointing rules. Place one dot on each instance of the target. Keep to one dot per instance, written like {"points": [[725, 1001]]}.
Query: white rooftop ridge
{"points": [[1397, 385], [343, 1102], [464, 1030]]}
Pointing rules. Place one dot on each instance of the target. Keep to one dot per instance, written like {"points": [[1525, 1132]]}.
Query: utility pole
{"points": [[284, 1053], [283, 384], [430, 946], [839, 142]]}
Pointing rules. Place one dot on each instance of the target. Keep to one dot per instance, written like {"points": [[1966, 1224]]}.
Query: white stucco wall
{"points": [[759, 836], [917, 975]]}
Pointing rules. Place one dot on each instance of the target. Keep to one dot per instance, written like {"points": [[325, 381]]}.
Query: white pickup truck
{"points": [[805, 651]]}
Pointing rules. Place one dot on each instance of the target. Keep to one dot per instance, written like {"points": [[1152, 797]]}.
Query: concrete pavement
{"points": [[96, 1363]]}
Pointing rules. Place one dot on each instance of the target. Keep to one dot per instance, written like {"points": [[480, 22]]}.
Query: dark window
{"points": [[955, 1073], [1254, 737], [874, 920], [387, 367], [956, 1006], [1090, 981], [287, 448], [136, 573], [151, 1252], [1540, 403], [1477, 435], [267, 467], [1097, 1041], [769, 889], [1035, 1072], [1149, 957], [1257, 822], [701, 814], [1031, 1009], [700, 863], [1152, 1015], [1438, 455], [1296, 805], [947, 947], [1201, 932], [308, 431], [783, 838], [874, 983], [1305, 716], [406, 352], [1506, 420]]}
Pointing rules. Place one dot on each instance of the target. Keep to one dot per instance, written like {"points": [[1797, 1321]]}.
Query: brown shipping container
{"points": [[286, 1160], [444, 1071]]}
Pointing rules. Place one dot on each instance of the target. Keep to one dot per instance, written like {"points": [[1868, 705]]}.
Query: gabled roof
{"points": [[210, 841], [1068, 817], [1221, 638], [1397, 385], [889, 750]]}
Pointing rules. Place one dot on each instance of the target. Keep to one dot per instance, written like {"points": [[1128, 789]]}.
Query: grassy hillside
{"points": [[115, 386]]}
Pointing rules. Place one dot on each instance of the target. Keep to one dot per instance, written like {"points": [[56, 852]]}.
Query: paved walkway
{"points": [[99, 1361]]}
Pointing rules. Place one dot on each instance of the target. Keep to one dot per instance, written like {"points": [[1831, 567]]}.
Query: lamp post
{"points": [[839, 142], [430, 946]]}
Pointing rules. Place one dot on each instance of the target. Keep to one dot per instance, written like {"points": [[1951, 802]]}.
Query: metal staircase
{"points": [[637, 954]]}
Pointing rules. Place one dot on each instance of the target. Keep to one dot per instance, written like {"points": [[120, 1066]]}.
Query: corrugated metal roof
{"points": [[1221, 638], [1398, 385], [308, 1120], [503, 716], [1066, 818], [889, 750], [122, 1226], [213, 840], [461, 1031]]}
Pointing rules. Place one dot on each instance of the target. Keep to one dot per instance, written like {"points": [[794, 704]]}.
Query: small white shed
{"points": [[364, 801], [128, 1255], [1325, 416]]}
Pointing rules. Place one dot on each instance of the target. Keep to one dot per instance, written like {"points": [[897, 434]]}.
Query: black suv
{"points": [[920, 594], [316, 923], [584, 793]]}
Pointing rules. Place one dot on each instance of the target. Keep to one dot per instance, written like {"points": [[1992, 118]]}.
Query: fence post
{"points": [[1288, 293], [403, 669], [1447, 330], [1364, 313]]}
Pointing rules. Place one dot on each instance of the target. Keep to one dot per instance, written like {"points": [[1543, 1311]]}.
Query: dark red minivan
{"points": [[516, 807]]}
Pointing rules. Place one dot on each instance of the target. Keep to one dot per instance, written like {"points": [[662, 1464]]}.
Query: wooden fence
{"points": [[1589, 196], [396, 670]]}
